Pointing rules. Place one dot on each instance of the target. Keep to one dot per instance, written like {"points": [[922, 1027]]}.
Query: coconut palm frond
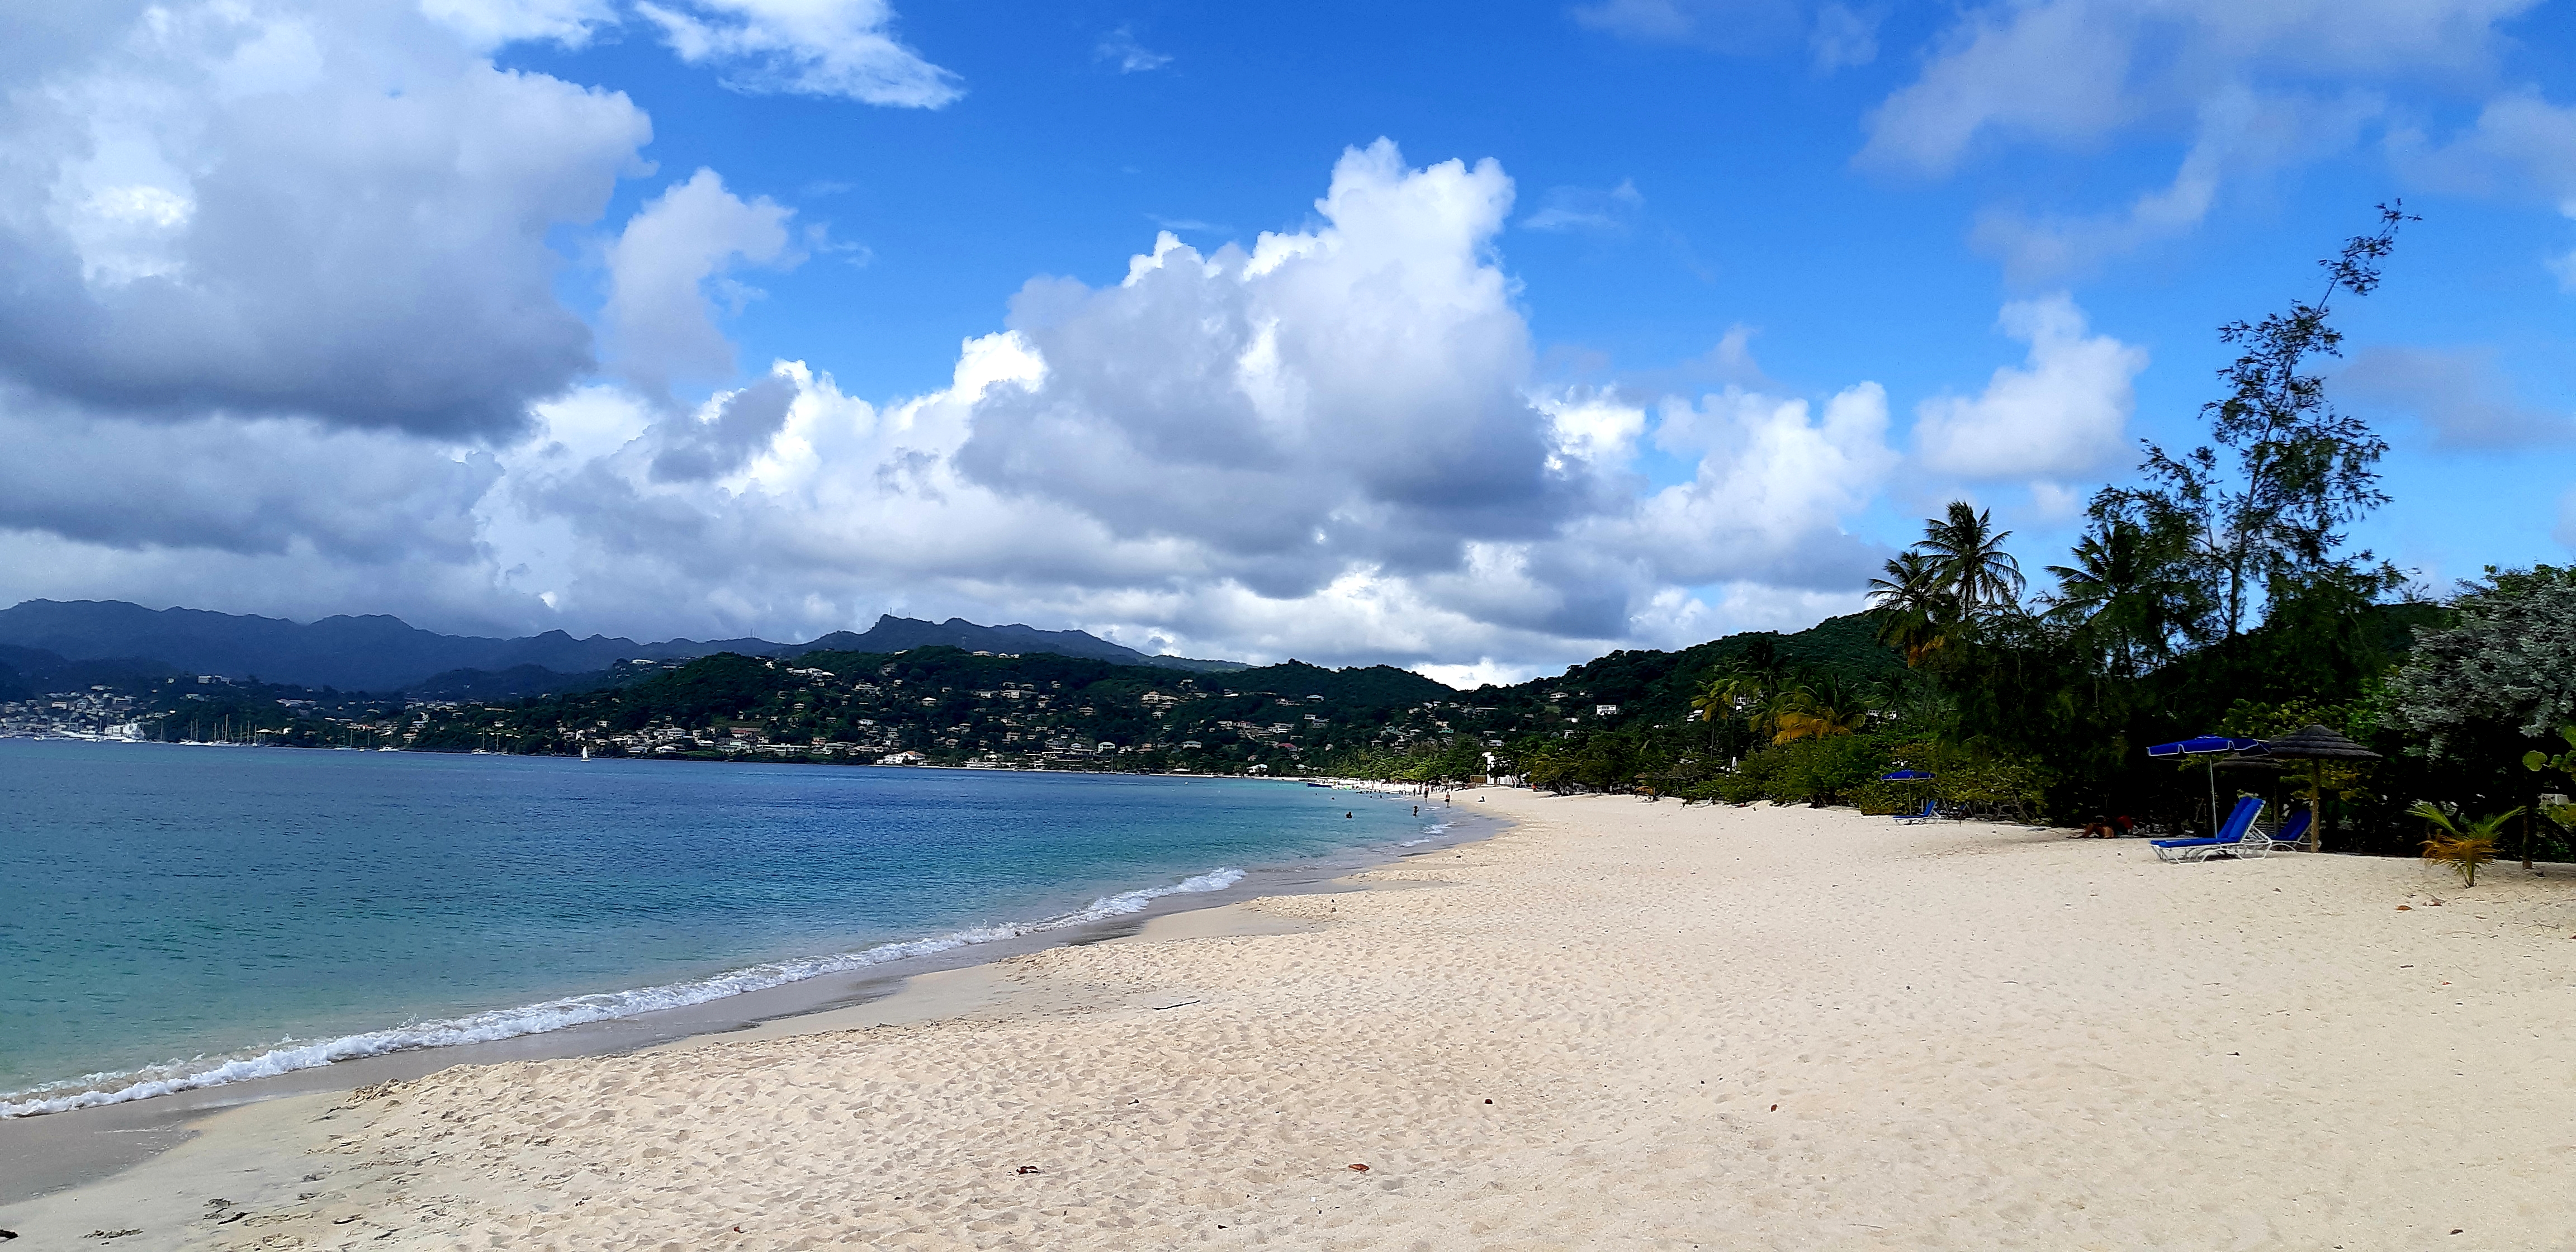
{"points": [[1964, 544], [2463, 847]]}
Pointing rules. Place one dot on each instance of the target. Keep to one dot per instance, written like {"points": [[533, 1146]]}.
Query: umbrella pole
{"points": [[2213, 794], [2316, 805]]}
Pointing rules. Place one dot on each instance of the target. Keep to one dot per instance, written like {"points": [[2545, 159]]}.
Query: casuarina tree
{"points": [[2268, 499]]}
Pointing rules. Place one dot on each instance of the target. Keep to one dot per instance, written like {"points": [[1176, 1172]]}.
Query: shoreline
{"points": [[1616, 1023], [46, 1153]]}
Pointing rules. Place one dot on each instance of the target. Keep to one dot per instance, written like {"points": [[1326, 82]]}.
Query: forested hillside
{"points": [[956, 707], [1656, 686]]}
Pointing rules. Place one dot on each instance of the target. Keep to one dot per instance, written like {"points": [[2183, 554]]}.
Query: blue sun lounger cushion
{"points": [[2230, 840]]}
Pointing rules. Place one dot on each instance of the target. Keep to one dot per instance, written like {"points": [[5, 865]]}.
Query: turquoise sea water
{"points": [[178, 916]]}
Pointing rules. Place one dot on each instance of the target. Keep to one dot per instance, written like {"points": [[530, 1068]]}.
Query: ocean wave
{"points": [[92, 1090]]}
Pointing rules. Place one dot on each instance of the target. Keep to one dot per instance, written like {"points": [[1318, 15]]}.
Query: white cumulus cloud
{"points": [[1773, 475], [334, 213], [2062, 414], [667, 271], [1353, 390]]}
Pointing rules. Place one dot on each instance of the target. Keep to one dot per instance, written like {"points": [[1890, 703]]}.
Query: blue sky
{"points": [[726, 316]]}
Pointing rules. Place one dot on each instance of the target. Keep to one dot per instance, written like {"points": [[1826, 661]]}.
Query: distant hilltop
{"points": [[896, 634], [386, 654]]}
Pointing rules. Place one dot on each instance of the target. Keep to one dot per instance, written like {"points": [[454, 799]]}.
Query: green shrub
{"points": [[1827, 771], [2008, 788], [1880, 799], [1736, 788]]}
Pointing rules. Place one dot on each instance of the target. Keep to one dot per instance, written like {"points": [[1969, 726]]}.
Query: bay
{"points": [[173, 911]]}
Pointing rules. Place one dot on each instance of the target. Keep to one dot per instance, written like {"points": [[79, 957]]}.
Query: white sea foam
{"points": [[1429, 833], [117, 1088]]}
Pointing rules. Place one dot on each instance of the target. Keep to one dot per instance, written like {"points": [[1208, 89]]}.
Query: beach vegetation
{"points": [[1826, 708], [2487, 691], [2461, 845], [1913, 603], [2540, 762], [2560, 811], [2505, 663], [2125, 598], [1820, 772]]}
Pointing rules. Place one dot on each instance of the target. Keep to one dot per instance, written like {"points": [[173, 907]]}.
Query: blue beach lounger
{"points": [[1931, 811], [2294, 831], [2230, 840]]}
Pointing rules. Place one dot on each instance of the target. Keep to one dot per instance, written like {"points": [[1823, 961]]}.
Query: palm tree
{"points": [[1915, 701], [1747, 686], [1969, 552], [1715, 699], [1711, 704], [2123, 595], [1916, 600], [1820, 711], [1746, 691]]}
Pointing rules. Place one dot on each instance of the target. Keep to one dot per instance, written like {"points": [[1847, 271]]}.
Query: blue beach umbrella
{"points": [[1907, 776], [2205, 744], [2211, 746]]}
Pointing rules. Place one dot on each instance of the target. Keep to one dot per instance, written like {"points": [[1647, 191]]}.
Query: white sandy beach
{"points": [[1619, 1024]]}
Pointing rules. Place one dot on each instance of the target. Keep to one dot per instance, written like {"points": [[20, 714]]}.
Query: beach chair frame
{"points": [[2237, 838]]}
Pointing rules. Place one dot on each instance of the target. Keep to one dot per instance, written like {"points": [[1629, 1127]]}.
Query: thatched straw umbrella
{"points": [[2317, 745]]}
